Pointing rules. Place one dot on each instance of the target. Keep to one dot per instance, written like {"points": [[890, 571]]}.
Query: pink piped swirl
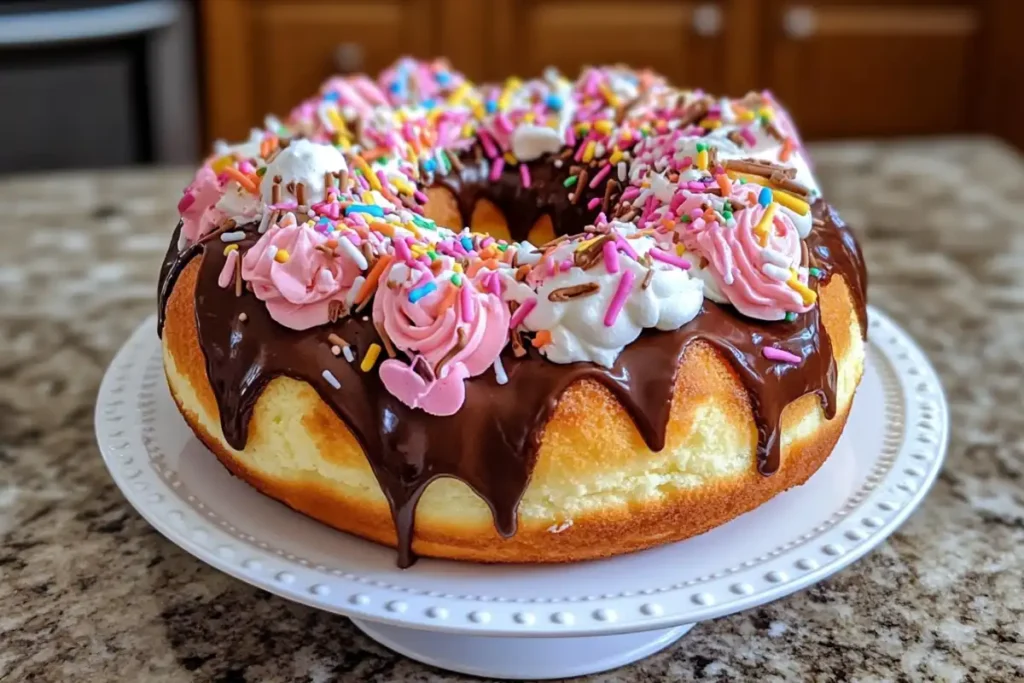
{"points": [[736, 262], [430, 329], [298, 289], [198, 206]]}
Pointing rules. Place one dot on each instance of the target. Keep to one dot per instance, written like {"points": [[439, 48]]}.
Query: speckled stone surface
{"points": [[89, 592]]}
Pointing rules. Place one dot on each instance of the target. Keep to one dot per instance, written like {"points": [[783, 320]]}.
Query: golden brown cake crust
{"points": [[589, 442]]}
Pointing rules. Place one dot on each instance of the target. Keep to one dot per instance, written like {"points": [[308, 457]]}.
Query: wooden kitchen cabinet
{"points": [[856, 68], [266, 56], [844, 67], [671, 37]]}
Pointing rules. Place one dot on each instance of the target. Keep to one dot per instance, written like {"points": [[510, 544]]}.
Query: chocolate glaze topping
{"points": [[500, 426]]}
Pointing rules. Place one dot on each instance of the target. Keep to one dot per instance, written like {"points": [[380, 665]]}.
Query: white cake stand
{"points": [[534, 621]]}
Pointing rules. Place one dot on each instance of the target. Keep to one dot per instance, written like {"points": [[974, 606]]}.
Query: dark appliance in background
{"points": [[92, 83]]}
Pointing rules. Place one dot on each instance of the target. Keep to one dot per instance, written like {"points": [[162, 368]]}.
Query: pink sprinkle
{"points": [[425, 260], [496, 168], [566, 264], [687, 162], [420, 197], [402, 249], [487, 241], [630, 193], [570, 136], [494, 284], [227, 273], [488, 144], [524, 173], [593, 203], [354, 237], [466, 303], [772, 353], [672, 259], [549, 265], [382, 178], [363, 182], [619, 300], [504, 125], [186, 201], [601, 175], [246, 167], [747, 136], [649, 204], [695, 186], [425, 277], [601, 219], [677, 199], [520, 315], [611, 257], [625, 246]]}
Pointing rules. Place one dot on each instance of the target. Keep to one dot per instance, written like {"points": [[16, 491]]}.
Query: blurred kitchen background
{"points": [[97, 83]]}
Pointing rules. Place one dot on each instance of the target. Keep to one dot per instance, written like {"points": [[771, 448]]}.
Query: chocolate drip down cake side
{"points": [[652, 324]]}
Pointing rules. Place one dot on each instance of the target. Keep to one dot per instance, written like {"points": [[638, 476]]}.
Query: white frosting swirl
{"points": [[578, 326]]}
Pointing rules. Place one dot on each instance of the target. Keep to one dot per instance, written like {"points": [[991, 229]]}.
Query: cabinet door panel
{"points": [[858, 69], [675, 38], [332, 37]]}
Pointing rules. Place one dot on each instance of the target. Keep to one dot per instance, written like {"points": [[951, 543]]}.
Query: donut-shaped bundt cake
{"points": [[538, 321]]}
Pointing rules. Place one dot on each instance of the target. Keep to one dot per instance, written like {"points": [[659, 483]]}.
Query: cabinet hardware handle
{"points": [[799, 22], [707, 20], [348, 57]]}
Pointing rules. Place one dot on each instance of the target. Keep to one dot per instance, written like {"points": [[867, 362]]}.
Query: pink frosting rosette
{"points": [[296, 280], [466, 329], [198, 207], [753, 277]]}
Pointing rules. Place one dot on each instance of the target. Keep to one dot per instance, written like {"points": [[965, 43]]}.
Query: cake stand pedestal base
{"points": [[521, 658]]}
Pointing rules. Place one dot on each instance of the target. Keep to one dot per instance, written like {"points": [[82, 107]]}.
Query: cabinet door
{"points": [[674, 37], [266, 55], [852, 68]]}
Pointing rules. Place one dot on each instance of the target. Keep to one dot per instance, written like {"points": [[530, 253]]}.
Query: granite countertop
{"points": [[88, 591]]}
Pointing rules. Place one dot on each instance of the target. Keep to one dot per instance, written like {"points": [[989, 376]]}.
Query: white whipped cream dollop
{"points": [[530, 141], [578, 325], [239, 204], [303, 162]]}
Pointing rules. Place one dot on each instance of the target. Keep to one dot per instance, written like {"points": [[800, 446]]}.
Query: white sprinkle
{"points": [[558, 163], [559, 528], [353, 253], [621, 169], [347, 352], [325, 280], [499, 371], [350, 296], [331, 379], [336, 350], [235, 236], [271, 252], [774, 272], [642, 198], [775, 257]]}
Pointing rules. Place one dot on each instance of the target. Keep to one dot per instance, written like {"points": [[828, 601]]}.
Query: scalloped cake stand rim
{"points": [[135, 417]]}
